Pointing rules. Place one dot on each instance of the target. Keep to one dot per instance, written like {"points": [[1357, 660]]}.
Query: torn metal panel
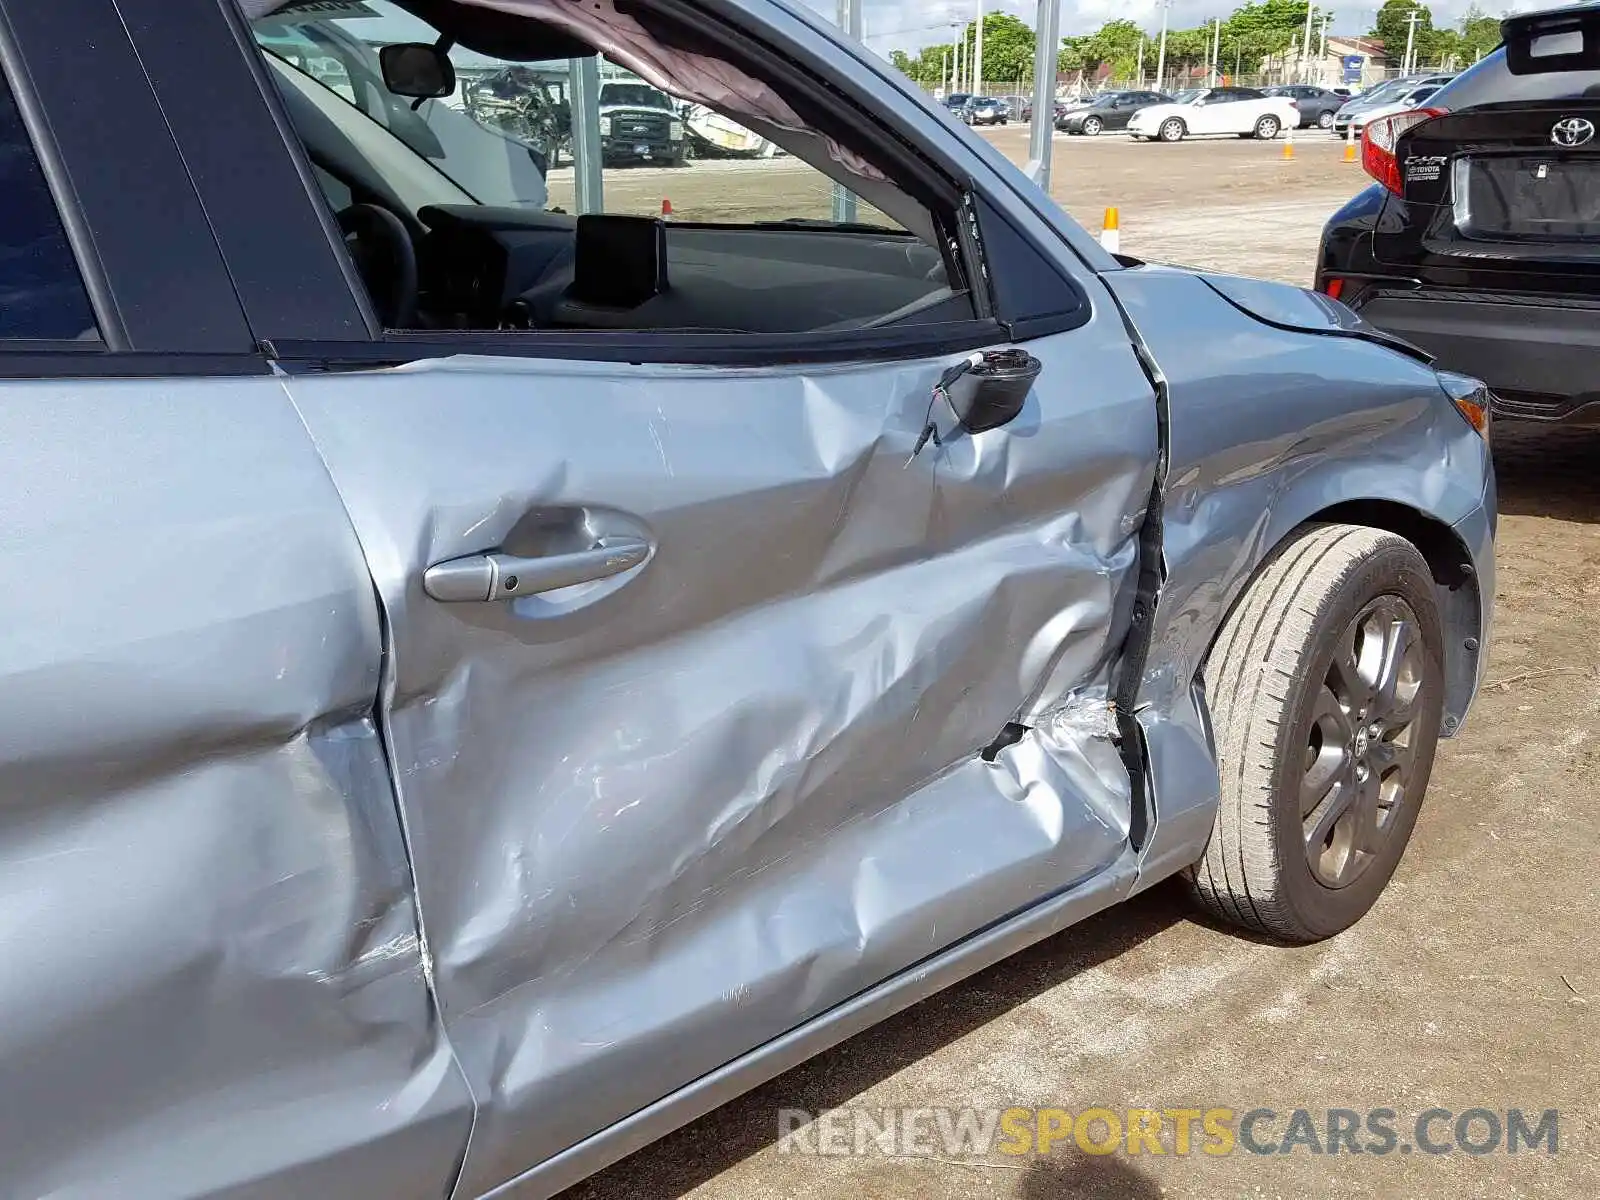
{"points": [[1269, 427], [213, 984], [663, 818]]}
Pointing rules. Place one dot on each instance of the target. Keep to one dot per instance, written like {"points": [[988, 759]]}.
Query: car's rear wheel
{"points": [[1326, 686], [1092, 126], [1325, 120], [1267, 128], [1172, 130]]}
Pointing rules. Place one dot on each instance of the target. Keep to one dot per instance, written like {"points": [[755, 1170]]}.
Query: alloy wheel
{"points": [[1360, 750]]}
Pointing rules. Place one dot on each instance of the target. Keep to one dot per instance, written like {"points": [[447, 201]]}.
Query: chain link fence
{"points": [[1018, 91]]}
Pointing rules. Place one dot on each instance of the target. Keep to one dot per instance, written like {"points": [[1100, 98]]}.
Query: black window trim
{"points": [[113, 333], [100, 191]]}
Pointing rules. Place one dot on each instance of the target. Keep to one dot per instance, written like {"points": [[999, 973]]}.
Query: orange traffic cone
{"points": [[1288, 145], [1110, 234], [666, 209], [1349, 149]]}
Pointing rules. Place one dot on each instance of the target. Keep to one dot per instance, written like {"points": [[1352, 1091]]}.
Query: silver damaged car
{"points": [[546, 668]]}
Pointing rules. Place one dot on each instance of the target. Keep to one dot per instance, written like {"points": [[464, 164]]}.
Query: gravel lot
{"points": [[1475, 983]]}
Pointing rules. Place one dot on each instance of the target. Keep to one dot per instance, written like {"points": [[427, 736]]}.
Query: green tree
{"points": [[1271, 27], [1116, 43], [1008, 46], [1069, 59], [1480, 33], [1393, 26], [1188, 48]]}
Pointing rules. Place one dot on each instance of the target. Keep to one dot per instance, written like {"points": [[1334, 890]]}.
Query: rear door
{"points": [[705, 761], [213, 983]]}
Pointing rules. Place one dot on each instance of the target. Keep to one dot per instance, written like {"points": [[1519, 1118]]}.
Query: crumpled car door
{"points": [[689, 672]]}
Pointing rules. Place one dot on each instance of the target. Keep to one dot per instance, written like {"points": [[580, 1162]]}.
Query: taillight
{"points": [[1378, 140], [1333, 286]]}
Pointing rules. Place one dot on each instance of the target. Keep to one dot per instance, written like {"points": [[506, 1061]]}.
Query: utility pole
{"points": [[958, 81], [1305, 48], [945, 77], [1161, 53], [1411, 39], [977, 53], [1140, 84], [1216, 49]]}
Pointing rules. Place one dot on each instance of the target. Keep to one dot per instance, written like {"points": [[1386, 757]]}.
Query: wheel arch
{"points": [[1454, 579]]}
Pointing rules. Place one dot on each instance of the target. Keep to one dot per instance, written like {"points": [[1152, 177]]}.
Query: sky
{"points": [[907, 24]]}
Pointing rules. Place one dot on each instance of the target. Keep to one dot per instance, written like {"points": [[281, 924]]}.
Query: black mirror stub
{"points": [[999, 387], [417, 70]]}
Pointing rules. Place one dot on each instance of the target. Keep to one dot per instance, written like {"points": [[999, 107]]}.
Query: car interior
{"points": [[433, 257]]}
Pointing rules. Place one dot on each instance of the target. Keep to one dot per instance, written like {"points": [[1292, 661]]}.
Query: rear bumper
{"points": [[1539, 358]]}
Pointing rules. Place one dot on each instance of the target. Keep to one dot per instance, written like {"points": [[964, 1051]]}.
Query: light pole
{"points": [[977, 52], [1161, 52], [1045, 54], [1140, 84], [1216, 49]]}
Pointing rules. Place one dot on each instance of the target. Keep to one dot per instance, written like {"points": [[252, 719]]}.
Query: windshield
{"points": [[1188, 95], [634, 95], [1107, 101], [490, 141], [1392, 90]]}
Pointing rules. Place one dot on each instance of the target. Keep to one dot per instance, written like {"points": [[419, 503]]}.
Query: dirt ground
{"points": [[1475, 982]]}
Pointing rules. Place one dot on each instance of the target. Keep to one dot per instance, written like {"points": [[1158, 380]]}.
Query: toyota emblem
{"points": [[1572, 131]]}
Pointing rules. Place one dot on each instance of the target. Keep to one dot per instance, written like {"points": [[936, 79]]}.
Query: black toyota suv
{"points": [[1480, 240]]}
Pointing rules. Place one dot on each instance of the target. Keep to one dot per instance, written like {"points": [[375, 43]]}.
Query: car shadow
{"points": [[705, 1148], [1548, 470], [1079, 1176]]}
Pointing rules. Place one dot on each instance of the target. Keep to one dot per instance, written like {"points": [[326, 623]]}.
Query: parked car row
{"points": [[978, 110], [1246, 112]]}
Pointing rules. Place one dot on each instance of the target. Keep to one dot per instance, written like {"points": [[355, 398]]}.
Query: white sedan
{"points": [[1237, 110]]}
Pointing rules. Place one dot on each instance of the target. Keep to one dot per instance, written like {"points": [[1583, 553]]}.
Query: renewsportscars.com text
{"points": [[1213, 1132]]}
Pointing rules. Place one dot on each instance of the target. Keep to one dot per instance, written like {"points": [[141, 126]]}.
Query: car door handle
{"points": [[481, 578]]}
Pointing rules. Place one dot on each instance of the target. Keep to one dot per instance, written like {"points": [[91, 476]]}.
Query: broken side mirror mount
{"points": [[995, 389], [983, 391]]}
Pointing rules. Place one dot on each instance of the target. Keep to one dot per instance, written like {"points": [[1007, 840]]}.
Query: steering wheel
{"points": [[386, 259]]}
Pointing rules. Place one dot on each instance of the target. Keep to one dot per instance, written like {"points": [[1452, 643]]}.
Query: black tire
{"points": [[1267, 128], [1092, 126], [1325, 120], [1172, 130], [1270, 676]]}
